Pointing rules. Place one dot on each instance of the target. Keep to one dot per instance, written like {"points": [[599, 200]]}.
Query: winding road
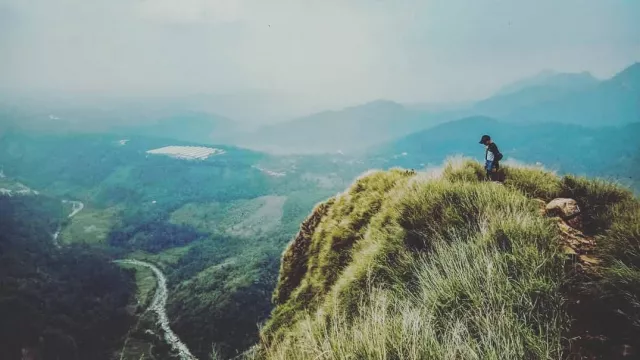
{"points": [[77, 207], [159, 305]]}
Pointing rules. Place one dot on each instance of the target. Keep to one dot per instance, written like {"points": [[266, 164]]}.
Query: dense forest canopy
{"points": [[67, 303]]}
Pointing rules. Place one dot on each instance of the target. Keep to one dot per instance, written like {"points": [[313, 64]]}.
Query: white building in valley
{"points": [[187, 152]]}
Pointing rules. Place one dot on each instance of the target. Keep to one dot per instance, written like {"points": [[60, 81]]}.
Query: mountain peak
{"points": [[381, 104], [553, 79], [629, 74]]}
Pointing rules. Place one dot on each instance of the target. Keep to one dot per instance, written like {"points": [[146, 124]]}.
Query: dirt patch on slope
{"points": [[595, 332]]}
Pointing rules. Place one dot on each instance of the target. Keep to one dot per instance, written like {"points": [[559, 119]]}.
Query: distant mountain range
{"points": [[346, 130], [544, 87], [612, 152], [577, 99], [615, 101]]}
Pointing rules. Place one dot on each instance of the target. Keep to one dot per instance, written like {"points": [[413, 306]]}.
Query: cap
{"points": [[485, 138]]}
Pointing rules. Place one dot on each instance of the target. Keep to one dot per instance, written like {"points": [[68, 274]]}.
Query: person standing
{"points": [[492, 157]]}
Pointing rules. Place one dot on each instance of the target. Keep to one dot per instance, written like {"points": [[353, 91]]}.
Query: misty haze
{"points": [[274, 180]]}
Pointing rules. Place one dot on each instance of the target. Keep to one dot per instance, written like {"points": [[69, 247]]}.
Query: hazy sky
{"points": [[349, 50]]}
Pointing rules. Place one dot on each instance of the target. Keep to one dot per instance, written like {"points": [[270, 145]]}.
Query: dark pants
{"points": [[492, 168]]}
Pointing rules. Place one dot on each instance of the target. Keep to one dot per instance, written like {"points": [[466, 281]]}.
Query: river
{"points": [[159, 306]]}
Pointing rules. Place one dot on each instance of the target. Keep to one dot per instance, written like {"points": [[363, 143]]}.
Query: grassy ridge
{"points": [[415, 266]]}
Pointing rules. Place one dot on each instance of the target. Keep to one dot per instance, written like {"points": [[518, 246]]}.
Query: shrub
{"points": [[597, 198], [533, 182]]}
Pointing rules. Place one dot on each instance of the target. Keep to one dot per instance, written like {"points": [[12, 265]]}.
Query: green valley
{"points": [[215, 227]]}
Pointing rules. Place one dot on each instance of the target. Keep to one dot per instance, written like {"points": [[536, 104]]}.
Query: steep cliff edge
{"points": [[407, 265]]}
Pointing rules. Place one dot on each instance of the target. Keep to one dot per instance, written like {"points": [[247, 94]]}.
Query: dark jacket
{"points": [[493, 148]]}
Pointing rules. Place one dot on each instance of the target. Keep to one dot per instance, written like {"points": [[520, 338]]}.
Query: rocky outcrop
{"points": [[575, 243], [294, 260], [566, 209]]}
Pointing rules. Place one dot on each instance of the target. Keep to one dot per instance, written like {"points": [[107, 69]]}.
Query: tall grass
{"points": [[471, 300], [323, 248], [618, 287], [450, 268], [534, 182]]}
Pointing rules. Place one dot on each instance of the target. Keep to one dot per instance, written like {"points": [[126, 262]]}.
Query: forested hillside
{"points": [[215, 227], [68, 303]]}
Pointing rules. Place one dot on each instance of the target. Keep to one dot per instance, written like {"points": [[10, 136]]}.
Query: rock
{"points": [[589, 260], [567, 209], [564, 208]]}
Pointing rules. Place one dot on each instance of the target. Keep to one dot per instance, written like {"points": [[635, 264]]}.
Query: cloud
{"points": [[330, 51], [190, 11]]}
